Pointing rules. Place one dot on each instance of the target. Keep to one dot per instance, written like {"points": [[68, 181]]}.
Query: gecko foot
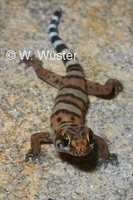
{"points": [[117, 86], [35, 157], [112, 160], [28, 61]]}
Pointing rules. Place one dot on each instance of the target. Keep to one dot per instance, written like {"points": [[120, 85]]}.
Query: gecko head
{"points": [[77, 140]]}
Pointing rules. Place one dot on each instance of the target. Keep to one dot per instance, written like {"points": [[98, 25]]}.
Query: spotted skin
{"points": [[69, 134]]}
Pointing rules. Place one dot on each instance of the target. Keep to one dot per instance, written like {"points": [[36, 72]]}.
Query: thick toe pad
{"points": [[35, 157]]}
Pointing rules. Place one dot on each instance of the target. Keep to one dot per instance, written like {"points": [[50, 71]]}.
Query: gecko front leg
{"points": [[36, 140], [54, 80], [46, 75], [103, 154]]}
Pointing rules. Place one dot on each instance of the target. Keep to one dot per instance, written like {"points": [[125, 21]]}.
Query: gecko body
{"points": [[69, 134]]}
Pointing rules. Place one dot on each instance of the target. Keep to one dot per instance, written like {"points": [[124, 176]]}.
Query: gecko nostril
{"points": [[81, 149], [57, 144]]}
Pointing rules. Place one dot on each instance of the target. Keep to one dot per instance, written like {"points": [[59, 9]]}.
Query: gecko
{"points": [[69, 134]]}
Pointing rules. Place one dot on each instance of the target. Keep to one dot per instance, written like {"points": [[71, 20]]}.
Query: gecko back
{"points": [[70, 135]]}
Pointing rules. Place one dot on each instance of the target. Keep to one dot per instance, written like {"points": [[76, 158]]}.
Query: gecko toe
{"points": [[26, 158], [117, 87], [113, 159], [36, 158], [28, 155]]}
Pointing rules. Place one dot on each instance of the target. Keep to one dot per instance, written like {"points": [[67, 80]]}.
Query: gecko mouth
{"points": [[75, 152], [81, 151]]}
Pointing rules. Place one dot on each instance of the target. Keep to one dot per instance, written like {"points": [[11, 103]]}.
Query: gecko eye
{"points": [[90, 137], [65, 140]]}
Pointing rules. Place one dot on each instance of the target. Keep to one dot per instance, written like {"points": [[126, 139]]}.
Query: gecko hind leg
{"points": [[46, 75], [111, 86], [36, 140]]}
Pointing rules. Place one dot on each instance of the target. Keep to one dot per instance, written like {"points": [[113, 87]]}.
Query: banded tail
{"points": [[68, 57]]}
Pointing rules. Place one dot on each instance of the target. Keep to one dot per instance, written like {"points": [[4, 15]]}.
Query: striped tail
{"points": [[68, 57]]}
